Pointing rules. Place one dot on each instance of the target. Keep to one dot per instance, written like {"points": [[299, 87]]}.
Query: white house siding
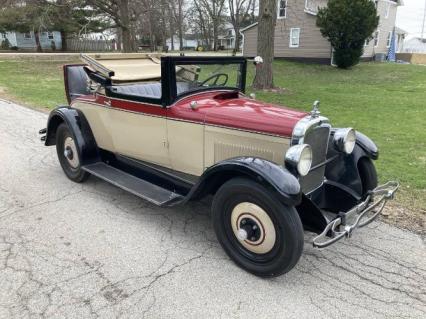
{"points": [[18, 39], [311, 43], [415, 45], [385, 26], [301, 14], [176, 43]]}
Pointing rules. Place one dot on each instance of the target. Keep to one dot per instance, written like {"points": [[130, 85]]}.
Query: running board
{"points": [[139, 187]]}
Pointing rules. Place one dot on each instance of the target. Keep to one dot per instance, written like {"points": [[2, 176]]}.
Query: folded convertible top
{"points": [[120, 68]]}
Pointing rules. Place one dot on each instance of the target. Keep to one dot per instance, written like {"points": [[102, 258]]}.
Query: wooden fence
{"points": [[86, 45], [413, 58]]}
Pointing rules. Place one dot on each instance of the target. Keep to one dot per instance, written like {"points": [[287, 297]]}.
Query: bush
{"points": [[347, 24], [5, 44]]}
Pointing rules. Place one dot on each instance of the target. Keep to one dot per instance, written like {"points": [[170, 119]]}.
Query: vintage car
{"points": [[174, 129]]}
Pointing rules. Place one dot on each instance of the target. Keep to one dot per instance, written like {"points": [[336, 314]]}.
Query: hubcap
{"points": [[70, 152], [253, 228]]}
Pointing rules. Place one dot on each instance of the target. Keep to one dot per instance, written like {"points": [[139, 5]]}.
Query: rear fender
{"points": [[272, 176], [79, 128]]}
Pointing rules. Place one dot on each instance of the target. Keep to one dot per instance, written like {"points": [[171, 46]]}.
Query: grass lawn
{"points": [[387, 102], [37, 84]]}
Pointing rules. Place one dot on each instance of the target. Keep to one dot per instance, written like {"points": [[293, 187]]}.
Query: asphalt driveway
{"points": [[91, 250]]}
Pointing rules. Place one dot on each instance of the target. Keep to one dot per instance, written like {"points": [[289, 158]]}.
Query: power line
{"points": [[424, 18]]}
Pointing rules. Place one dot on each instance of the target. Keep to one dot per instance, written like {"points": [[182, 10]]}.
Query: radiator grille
{"points": [[317, 138]]}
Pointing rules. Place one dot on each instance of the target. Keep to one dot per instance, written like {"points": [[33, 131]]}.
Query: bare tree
{"points": [[265, 44], [177, 9], [120, 12], [238, 10], [214, 9], [201, 22]]}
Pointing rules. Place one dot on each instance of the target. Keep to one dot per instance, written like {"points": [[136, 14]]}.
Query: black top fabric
{"points": [[150, 90]]}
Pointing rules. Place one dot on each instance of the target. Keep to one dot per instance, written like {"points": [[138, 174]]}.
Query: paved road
{"points": [[81, 251]]}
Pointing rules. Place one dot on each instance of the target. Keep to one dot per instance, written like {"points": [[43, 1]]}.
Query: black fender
{"points": [[344, 168], [276, 178], [79, 128]]}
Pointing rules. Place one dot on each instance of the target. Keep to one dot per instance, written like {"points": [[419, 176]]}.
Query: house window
{"points": [[50, 35], [366, 43], [28, 35], [389, 39], [376, 3], [376, 38], [387, 10], [294, 37], [282, 9]]}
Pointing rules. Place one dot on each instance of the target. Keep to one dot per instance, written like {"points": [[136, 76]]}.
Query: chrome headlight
{"points": [[344, 140], [299, 159]]}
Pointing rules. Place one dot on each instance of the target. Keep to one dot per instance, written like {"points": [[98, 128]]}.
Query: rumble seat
{"points": [[150, 90]]}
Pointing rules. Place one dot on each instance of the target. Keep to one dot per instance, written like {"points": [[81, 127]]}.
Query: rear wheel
{"points": [[68, 155], [368, 174], [257, 232]]}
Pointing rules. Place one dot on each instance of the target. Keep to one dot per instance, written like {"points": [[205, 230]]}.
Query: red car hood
{"points": [[230, 110]]}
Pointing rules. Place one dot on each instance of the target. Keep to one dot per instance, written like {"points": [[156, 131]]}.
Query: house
{"points": [[26, 40], [226, 39], [298, 38], [188, 43], [415, 45]]}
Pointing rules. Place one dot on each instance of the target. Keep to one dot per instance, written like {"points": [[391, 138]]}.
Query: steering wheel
{"points": [[216, 78]]}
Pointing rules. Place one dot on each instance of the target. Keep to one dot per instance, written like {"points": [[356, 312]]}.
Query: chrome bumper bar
{"points": [[360, 215]]}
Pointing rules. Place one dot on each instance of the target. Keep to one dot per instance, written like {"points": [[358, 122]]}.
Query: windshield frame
{"points": [[168, 74]]}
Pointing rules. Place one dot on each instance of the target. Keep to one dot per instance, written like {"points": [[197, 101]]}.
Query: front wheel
{"points": [[68, 155], [258, 233]]}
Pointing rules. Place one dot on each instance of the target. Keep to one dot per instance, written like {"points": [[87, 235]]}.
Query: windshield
{"points": [[202, 76]]}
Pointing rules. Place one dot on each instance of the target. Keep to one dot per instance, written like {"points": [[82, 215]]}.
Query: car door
{"points": [[139, 130], [185, 129]]}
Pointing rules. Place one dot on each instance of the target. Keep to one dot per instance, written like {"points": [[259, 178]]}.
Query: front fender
{"points": [[79, 128], [344, 169], [270, 175], [367, 146]]}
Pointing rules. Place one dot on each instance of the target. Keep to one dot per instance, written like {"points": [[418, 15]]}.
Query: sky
{"points": [[410, 17]]}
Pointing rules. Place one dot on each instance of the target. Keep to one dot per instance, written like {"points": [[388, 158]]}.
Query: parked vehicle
{"points": [[176, 129]]}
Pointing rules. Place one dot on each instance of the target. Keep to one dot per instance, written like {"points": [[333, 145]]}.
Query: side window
{"points": [[282, 9], [387, 10], [294, 37], [376, 38], [389, 39]]}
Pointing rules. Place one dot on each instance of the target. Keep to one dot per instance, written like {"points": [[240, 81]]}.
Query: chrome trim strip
{"points": [[305, 125]]}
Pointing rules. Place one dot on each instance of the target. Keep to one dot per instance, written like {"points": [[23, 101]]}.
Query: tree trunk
{"points": [[265, 44], [172, 43], [63, 40], [237, 39], [180, 27], [125, 26], [215, 36], [163, 25], [37, 40], [126, 39]]}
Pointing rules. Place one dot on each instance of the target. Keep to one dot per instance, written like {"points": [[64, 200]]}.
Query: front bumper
{"points": [[359, 216]]}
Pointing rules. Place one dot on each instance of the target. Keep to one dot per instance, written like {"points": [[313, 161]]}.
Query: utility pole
{"points": [[424, 19]]}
